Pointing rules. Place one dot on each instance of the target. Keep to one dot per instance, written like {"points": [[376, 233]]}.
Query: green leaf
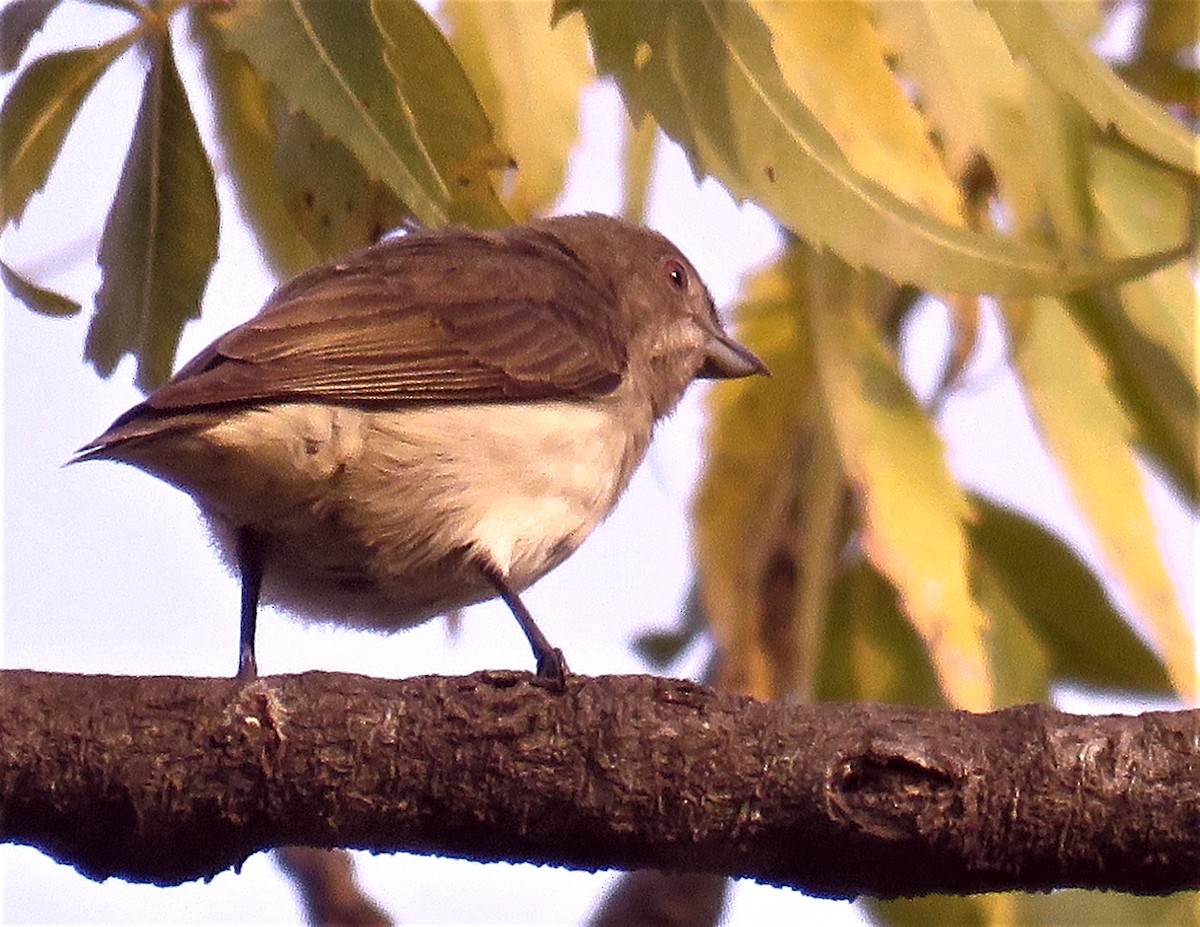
{"points": [[160, 239], [911, 509], [332, 202], [759, 430], [450, 120], [1018, 658], [1033, 31], [19, 22], [707, 72], [37, 298], [1086, 638], [327, 60], [837, 64], [246, 133], [870, 652], [1088, 434], [529, 78], [37, 112]]}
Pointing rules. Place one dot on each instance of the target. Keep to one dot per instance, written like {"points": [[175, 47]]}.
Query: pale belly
{"points": [[382, 518]]}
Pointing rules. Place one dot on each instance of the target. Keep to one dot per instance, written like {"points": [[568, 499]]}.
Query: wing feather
{"points": [[444, 316]]}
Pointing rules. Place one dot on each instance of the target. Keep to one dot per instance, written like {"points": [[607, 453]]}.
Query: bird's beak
{"points": [[728, 360]]}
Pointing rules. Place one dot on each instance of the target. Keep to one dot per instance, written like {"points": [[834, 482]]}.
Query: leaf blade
{"points": [[37, 113], [160, 239]]}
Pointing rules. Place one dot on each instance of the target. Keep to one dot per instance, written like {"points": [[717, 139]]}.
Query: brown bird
{"points": [[432, 421]]}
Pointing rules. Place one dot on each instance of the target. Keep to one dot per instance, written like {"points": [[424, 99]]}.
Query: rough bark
{"points": [[165, 779]]}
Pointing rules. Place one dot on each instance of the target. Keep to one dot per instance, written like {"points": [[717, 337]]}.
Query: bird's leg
{"points": [[551, 665], [250, 552]]}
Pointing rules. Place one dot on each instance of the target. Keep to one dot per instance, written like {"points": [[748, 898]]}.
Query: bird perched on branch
{"points": [[435, 420]]}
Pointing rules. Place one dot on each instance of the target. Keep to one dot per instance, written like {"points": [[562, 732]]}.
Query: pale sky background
{"points": [[108, 570]]}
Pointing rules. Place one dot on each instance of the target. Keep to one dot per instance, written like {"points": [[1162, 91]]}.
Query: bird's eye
{"points": [[676, 273]]}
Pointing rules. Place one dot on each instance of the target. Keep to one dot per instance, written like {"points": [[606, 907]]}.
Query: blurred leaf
{"points": [[1086, 638], [1060, 160], [1032, 30], [756, 440], [870, 652], [529, 78], [912, 510], [450, 121], [1089, 436], [1018, 658], [707, 73], [984, 910], [327, 59], [37, 112], [37, 298], [1074, 906], [1139, 205], [332, 202], [836, 63], [19, 22], [160, 239], [973, 92], [641, 143], [248, 139], [663, 647]]}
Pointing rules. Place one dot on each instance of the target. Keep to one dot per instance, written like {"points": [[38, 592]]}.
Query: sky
{"points": [[109, 570]]}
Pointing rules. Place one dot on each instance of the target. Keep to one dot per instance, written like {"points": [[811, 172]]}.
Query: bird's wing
{"points": [[432, 317]]}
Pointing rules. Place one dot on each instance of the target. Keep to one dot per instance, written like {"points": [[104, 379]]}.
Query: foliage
{"points": [[979, 153]]}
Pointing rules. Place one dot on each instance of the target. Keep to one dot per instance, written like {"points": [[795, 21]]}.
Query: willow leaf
{"points": [[37, 298], [449, 118], [754, 447], [836, 63], [707, 72], [529, 77], [37, 113], [327, 59], [1090, 436], [1033, 31], [245, 128], [912, 511], [20, 22], [160, 238]]}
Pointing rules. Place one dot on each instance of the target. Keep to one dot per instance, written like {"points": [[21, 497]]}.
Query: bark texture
{"points": [[165, 779]]}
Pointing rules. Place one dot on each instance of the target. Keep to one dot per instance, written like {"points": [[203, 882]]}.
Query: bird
{"points": [[432, 421]]}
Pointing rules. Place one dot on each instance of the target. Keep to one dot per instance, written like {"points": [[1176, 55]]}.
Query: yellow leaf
{"points": [[529, 78], [972, 89], [912, 510], [834, 60], [1087, 432]]}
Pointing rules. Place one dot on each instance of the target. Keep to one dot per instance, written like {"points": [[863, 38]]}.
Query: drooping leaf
{"points": [[912, 511], [1018, 656], [707, 72], [19, 22], [1087, 640], [972, 89], [37, 113], [327, 59], [450, 121], [1090, 436], [1032, 29], [871, 652], [332, 202], [160, 238], [836, 63], [1060, 160], [755, 445], [37, 298], [247, 136], [1140, 205], [529, 77]]}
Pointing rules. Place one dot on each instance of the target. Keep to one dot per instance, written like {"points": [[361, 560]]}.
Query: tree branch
{"points": [[165, 779]]}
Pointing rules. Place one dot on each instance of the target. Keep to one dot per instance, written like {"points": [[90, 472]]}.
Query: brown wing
{"points": [[443, 316]]}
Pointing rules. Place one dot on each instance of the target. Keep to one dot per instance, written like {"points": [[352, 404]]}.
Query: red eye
{"points": [[676, 273]]}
